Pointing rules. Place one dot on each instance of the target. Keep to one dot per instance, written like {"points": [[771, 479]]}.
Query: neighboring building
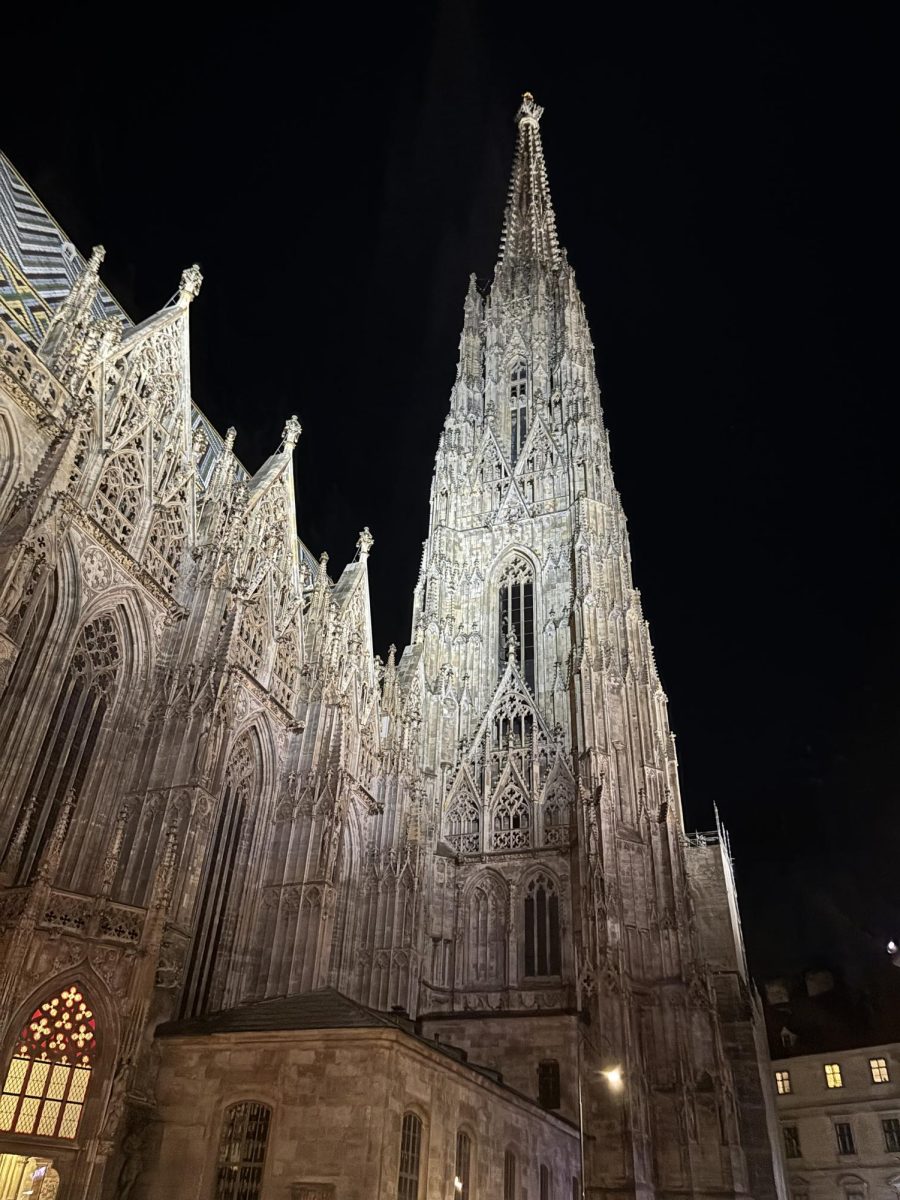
{"points": [[216, 799], [840, 1121]]}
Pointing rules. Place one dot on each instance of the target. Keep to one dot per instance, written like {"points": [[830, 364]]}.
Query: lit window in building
{"points": [[461, 1183], [548, 1083], [50, 1070], [242, 1151], [879, 1069], [545, 1182], [518, 412], [542, 954], [410, 1154], [844, 1134], [783, 1082], [890, 1127], [833, 1075], [509, 1176], [791, 1141]]}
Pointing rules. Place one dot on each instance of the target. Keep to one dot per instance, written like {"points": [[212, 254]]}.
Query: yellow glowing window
{"points": [[833, 1075], [879, 1069], [783, 1082], [48, 1077]]}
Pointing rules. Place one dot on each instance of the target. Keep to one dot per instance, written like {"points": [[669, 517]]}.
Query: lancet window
{"points": [[542, 949], [48, 1076], [252, 634], [518, 411], [511, 821], [286, 669], [486, 936], [556, 820], [242, 1151], [516, 596], [120, 492], [165, 546], [410, 1156], [464, 824], [70, 740]]}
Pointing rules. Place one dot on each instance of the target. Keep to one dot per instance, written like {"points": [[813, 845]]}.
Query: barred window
{"points": [[791, 1141], [242, 1151], [833, 1075], [461, 1181], [783, 1082], [48, 1076], [890, 1127], [844, 1134], [410, 1154], [509, 1176], [542, 952], [879, 1069]]}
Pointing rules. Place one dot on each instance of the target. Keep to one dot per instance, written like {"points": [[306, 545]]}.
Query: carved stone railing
{"points": [[70, 912], [29, 379]]}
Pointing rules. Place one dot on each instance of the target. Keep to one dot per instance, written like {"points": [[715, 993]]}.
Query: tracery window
{"points": [[71, 737], [517, 616], [512, 821], [486, 944], [252, 634], [48, 1076], [120, 492], [556, 820], [518, 412], [464, 824], [410, 1155], [542, 950], [242, 1151], [165, 546], [461, 1182], [285, 669]]}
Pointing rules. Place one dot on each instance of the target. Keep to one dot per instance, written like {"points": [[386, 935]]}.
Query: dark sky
{"points": [[722, 180]]}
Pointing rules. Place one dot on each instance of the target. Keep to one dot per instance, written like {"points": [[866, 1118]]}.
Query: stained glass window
{"points": [[242, 1151], [48, 1077]]}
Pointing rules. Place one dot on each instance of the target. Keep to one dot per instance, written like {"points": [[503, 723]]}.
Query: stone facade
{"points": [[842, 1142], [212, 791]]}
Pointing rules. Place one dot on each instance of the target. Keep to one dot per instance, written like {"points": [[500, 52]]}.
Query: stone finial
{"points": [[230, 435], [365, 543], [292, 431], [98, 253], [189, 287], [323, 559], [528, 110]]}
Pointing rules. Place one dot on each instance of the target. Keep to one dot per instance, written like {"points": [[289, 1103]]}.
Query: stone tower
{"points": [[561, 941]]}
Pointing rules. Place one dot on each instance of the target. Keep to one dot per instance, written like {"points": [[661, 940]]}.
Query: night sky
{"points": [[721, 175]]}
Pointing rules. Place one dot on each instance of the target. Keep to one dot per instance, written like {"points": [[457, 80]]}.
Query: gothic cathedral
{"points": [[280, 920]]}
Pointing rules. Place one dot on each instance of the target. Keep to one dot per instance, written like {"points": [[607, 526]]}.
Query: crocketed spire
{"points": [[529, 224]]}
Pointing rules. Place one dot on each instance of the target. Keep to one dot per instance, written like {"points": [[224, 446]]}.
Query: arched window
{"points": [[69, 742], [518, 413], [512, 821], [556, 820], [410, 1155], [223, 875], [542, 954], [545, 1182], [486, 937], [242, 1151], [517, 616], [548, 1083], [463, 823], [166, 544], [50, 1070], [120, 492], [462, 1178], [509, 1176]]}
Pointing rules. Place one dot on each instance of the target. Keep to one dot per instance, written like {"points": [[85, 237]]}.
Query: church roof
{"points": [[325, 1008], [529, 223]]}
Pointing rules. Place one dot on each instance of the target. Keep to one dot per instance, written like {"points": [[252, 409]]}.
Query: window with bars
{"points": [[410, 1155], [516, 590], [833, 1075], [242, 1151], [545, 1182], [509, 1176], [890, 1127], [783, 1082], [542, 951], [462, 1178], [844, 1134], [548, 1083], [791, 1141], [879, 1069], [48, 1076], [518, 411]]}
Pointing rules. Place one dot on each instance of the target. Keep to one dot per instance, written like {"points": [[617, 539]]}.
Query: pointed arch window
{"points": [[516, 595], [486, 938], [461, 1182], [242, 1151], [69, 742], [512, 821], [120, 492], [410, 1156], [556, 820], [48, 1077], [542, 949], [518, 411], [464, 824], [165, 545]]}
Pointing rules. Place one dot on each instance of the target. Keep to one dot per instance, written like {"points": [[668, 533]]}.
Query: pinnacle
{"points": [[529, 223]]}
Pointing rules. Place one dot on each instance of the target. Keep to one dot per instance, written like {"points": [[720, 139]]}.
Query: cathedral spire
{"points": [[529, 223]]}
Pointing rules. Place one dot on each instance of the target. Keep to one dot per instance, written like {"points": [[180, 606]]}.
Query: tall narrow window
{"points": [[548, 1083], [545, 1182], [518, 410], [890, 1127], [461, 1181], [542, 953], [791, 1141], [509, 1176], [242, 1151], [517, 617], [410, 1154], [50, 1070], [70, 739], [843, 1131], [833, 1075]]}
